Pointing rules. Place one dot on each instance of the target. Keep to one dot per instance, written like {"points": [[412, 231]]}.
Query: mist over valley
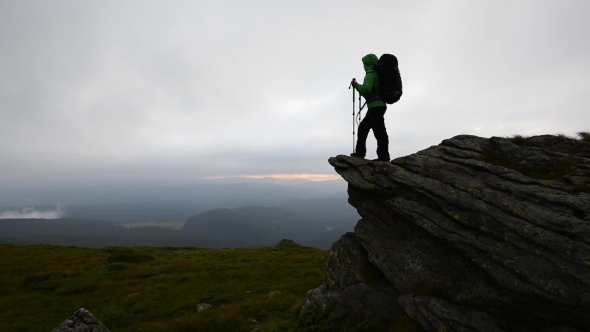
{"points": [[212, 214]]}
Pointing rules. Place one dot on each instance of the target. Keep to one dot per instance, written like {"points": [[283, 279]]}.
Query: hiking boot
{"points": [[354, 154]]}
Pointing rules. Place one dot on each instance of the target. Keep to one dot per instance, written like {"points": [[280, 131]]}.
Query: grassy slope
{"points": [[41, 285], [175, 224]]}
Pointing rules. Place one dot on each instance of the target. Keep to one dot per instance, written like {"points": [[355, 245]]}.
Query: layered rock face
{"points": [[474, 234]]}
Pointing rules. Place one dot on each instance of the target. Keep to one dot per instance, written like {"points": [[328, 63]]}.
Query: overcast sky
{"points": [[174, 90]]}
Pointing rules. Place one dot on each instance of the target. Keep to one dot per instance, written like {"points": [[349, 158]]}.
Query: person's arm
{"points": [[366, 89]]}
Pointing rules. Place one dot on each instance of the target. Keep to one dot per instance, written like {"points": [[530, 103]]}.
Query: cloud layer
{"points": [[151, 90]]}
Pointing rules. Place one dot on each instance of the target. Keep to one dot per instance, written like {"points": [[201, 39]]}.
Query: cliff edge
{"points": [[474, 234]]}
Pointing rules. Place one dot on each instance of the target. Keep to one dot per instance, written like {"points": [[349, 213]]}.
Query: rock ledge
{"points": [[474, 234]]}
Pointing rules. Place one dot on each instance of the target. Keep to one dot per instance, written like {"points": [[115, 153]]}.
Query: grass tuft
{"points": [[128, 256], [116, 266], [295, 309], [517, 139], [564, 136], [561, 168], [584, 136], [224, 321], [78, 289]]}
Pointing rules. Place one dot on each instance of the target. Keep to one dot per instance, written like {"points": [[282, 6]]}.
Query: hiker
{"points": [[374, 117]]}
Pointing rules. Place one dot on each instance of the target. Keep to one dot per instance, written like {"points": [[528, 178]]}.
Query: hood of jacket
{"points": [[369, 61]]}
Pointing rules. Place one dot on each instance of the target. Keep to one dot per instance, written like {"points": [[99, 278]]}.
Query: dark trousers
{"points": [[374, 120]]}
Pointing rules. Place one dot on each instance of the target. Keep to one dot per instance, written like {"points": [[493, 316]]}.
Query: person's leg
{"points": [[363, 132], [380, 132]]}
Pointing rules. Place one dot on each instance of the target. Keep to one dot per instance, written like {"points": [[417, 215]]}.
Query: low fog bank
{"points": [[32, 212]]}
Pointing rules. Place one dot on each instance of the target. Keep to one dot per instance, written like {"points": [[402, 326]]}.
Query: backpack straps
{"points": [[375, 96]]}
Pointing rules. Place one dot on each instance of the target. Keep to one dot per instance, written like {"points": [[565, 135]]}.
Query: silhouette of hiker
{"points": [[374, 118]]}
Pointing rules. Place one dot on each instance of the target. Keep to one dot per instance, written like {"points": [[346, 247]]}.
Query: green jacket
{"points": [[370, 84]]}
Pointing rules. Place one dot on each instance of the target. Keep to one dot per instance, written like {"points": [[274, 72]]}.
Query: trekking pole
{"points": [[360, 109], [353, 114]]}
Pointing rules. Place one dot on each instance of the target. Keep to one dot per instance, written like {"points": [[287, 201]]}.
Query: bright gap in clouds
{"points": [[302, 176]]}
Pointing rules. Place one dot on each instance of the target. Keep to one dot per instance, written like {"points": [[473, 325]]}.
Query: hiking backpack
{"points": [[390, 81]]}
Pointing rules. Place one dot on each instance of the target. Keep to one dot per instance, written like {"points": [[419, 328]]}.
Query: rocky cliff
{"points": [[474, 234]]}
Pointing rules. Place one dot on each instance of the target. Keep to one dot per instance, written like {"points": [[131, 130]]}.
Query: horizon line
{"points": [[280, 176]]}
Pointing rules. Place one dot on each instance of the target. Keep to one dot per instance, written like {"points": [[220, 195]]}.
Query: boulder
{"points": [[496, 230], [81, 321], [203, 307]]}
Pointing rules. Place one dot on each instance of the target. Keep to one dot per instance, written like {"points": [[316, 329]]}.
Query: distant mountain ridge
{"points": [[314, 222], [252, 225], [95, 233]]}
